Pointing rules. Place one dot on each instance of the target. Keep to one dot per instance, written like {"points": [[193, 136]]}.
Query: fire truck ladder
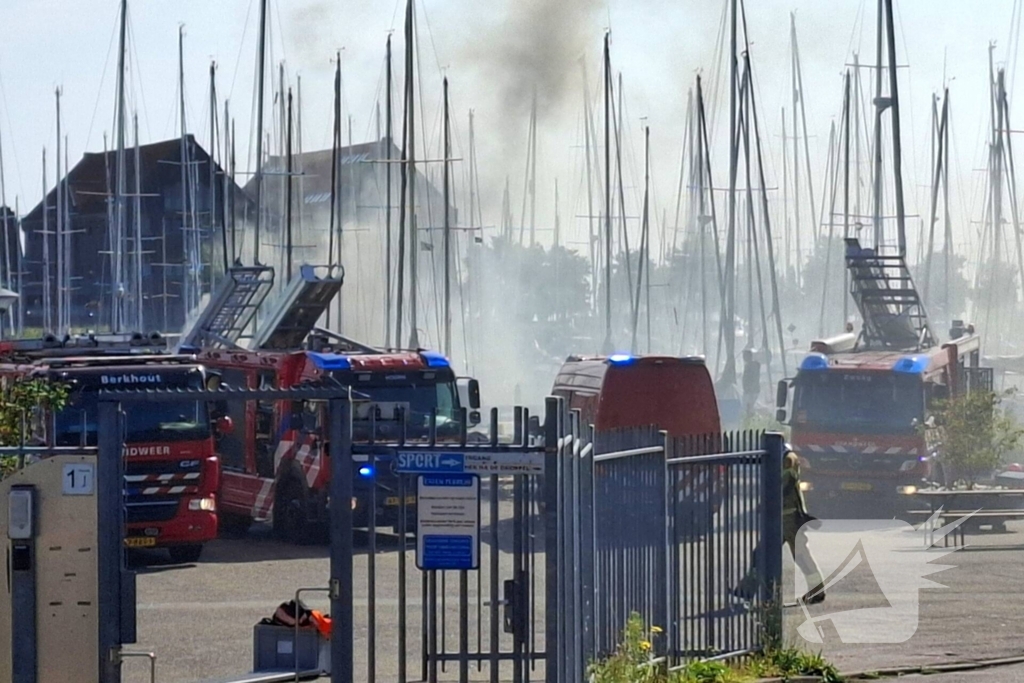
{"points": [[232, 307], [298, 309], [881, 286]]}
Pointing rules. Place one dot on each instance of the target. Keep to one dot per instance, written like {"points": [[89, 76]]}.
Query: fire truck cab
{"points": [[171, 471], [276, 463], [859, 418]]}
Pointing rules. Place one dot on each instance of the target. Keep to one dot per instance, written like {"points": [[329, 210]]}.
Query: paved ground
{"points": [[978, 615], [198, 619], [1001, 674]]}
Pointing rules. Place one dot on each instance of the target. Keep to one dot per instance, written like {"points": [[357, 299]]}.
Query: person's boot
{"points": [[814, 596]]}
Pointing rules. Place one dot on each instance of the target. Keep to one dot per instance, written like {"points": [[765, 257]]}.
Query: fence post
{"points": [[552, 539], [671, 575], [773, 444], [340, 412], [110, 538]]}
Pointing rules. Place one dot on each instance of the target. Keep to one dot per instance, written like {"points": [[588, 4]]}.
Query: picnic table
{"points": [[993, 506]]}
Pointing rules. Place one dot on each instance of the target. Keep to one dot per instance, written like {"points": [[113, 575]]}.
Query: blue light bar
{"points": [[911, 365], [366, 471], [621, 359], [330, 361], [433, 359], [814, 361]]}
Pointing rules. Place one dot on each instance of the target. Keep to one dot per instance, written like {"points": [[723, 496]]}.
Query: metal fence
{"points": [[665, 528], [574, 533]]}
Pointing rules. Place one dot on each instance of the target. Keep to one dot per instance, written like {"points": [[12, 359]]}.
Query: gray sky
{"points": [[489, 49]]}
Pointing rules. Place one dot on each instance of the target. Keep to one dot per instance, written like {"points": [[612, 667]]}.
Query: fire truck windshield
{"points": [[413, 400], [144, 421], [863, 402]]}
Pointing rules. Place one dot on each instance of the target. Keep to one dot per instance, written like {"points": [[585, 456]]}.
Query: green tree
{"points": [[20, 400], [974, 435]]}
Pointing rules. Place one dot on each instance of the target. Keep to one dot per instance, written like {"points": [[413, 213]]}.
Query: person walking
{"points": [[794, 516], [751, 382]]}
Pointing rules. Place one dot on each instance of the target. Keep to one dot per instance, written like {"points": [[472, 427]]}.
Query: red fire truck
{"points": [[171, 471], [275, 464], [860, 402], [856, 421]]}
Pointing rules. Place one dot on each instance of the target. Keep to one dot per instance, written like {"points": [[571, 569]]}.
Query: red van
{"points": [[675, 394], [620, 390]]}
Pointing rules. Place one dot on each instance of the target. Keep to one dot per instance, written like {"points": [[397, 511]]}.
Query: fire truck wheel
{"points": [[233, 525], [185, 554]]}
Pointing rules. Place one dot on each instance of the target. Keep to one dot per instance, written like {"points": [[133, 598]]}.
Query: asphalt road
{"points": [[199, 618]]}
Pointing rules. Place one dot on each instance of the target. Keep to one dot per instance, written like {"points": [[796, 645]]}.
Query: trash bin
{"points": [[275, 649]]}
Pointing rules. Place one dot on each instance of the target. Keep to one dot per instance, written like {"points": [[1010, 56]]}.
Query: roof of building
{"points": [[92, 178]]}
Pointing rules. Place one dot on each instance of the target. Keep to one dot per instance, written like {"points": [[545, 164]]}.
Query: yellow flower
{"points": [[645, 645], [656, 629]]}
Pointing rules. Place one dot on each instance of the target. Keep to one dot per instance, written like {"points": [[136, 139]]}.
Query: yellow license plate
{"points": [[392, 501], [855, 486], [140, 542]]}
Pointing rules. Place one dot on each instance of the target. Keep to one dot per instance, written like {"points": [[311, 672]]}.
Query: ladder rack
{"points": [[231, 309], [296, 312], [883, 289]]}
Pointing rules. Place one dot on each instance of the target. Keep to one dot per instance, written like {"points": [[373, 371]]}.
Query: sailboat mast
{"points": [[288, 199], [447, 229], [729, 322], [9, 280], [48, 277], [414, 242], [897, 161], [191, 298], [847, 108], [332, 255], [61, 285], [803, 122], [389, 293], [880, 106], [591, 239], [117, 271], [137, 224], [607, 196], [226, 210], [213, 173], [261, 63]]}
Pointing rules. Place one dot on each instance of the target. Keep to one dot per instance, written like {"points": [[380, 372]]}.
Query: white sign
{"points": [[448, 521], [78, 479], [504, 463]]}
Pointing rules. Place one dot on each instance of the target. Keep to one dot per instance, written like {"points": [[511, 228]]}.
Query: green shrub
{"points": [[634, 661], [18, 400]]}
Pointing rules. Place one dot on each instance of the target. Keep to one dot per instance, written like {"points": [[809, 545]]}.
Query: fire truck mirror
{"points": [[782, 394], [469, 392], [225, 425]]}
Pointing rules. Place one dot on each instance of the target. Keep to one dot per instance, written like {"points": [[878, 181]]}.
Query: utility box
{"points": [[49, 616], [282, 648]]}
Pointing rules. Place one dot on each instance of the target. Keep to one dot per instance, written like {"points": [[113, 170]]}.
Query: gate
{"points": [[666, 528], [462, 588]]}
